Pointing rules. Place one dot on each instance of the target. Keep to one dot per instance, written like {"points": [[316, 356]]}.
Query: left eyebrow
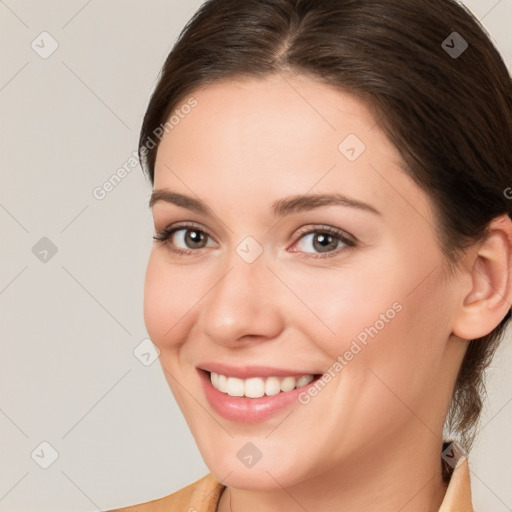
{"points": [[299, 203], [280, 208]]}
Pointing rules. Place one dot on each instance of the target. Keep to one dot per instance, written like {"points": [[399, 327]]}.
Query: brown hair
{"points": [[449, 115]]}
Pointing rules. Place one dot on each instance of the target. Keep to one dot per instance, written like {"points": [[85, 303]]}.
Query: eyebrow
{"points": [[280, 208]]}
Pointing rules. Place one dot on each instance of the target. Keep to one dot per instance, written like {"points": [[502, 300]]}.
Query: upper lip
{"points": [[246, 372]]}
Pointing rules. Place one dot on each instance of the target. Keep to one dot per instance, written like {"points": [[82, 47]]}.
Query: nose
{"points": [[243, 305]]}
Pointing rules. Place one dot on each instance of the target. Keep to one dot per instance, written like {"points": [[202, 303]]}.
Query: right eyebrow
{"points": [[180, 200]]}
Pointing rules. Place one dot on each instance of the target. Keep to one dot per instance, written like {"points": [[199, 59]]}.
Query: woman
{"points": [[331, 268]]}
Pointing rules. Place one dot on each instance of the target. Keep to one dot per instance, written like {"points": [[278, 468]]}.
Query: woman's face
{"points": [[263, 290]]}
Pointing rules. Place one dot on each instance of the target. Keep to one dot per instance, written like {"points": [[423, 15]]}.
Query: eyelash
{"points": [[164, 235]]}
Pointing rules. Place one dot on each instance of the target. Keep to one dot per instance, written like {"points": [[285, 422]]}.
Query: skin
{"points": [[372, 438]]}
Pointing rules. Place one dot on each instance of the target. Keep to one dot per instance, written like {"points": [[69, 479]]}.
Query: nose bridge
{"points": [[242, 301]]}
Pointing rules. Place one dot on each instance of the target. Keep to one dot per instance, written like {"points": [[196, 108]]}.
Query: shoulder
{"points": [[200, 496]]}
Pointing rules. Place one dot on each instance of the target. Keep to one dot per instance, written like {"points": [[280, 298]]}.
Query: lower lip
{"points": [[242, 409]]}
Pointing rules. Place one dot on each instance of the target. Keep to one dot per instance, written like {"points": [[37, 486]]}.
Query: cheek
{"points": [[386, 349], [394, 349], [380, 319], [168, 297], [343, 304], [167, 300]]}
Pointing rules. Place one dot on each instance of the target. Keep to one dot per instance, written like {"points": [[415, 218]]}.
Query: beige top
{"points": [[204, 495]]}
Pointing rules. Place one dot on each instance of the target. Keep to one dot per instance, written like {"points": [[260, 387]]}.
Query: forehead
{"points": [[294, 109], [281, 135]]}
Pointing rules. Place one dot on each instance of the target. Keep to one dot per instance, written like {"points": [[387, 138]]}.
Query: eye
{"points": [[189, 236], [326, 240]]}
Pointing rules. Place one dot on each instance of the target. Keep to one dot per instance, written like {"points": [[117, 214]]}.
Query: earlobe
{"points": [[490, 297]]}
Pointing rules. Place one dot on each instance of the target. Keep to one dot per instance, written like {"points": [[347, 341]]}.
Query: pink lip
{"points": [[245, 372], [248, 410]]}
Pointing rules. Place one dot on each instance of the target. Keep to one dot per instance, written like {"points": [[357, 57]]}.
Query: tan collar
{"points": [[458, 494]]}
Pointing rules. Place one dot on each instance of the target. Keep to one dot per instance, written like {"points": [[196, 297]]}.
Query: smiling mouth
{"points": [[258, 387]]}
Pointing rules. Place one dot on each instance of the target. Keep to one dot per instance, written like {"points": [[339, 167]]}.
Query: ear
{"points": [[490, 273]]}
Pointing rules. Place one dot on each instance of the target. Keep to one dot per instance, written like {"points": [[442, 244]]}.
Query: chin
{"points": [[263, 475]]}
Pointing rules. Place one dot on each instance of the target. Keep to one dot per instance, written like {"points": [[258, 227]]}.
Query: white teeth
{"points": [[235, 387], [254, 388], [272, 386], [288, 383], [257, 387], [305, 379], [222, 383]]}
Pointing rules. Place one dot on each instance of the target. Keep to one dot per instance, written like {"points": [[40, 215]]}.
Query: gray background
{"points": [[70, 322]]}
